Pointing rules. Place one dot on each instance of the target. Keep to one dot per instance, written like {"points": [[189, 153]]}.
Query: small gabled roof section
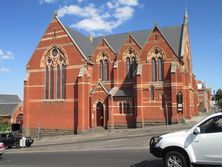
{"points": [[115, 41], [141, 36], [117, 92], [83, 70], [7, 99], [96, 41], [172, 34], [99, 84], [124, 93], [113, 91], [8, 104]]}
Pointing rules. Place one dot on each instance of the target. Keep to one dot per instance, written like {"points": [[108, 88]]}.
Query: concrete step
{"points": [[99, 129]]}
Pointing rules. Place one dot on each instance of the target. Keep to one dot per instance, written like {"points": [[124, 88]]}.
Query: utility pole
{"points": [[214, 102]]}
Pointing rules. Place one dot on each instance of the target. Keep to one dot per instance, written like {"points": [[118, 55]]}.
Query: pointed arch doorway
{"points": [[99, 114]]}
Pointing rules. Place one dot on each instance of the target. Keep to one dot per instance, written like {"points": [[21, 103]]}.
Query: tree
{"points": [[4, 126], [219, 94], [220, 103]]}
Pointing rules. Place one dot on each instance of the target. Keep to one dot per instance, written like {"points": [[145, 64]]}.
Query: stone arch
{"points": [[54, 55], [102, 56], [130, 52], [19, 118], [156, 52]]}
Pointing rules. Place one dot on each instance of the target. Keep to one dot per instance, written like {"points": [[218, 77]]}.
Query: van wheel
{"points": [[175, 159]]}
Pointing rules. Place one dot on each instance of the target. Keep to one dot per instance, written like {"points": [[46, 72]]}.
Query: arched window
{"points": [[101, 69], [58, 83], [153, 69], [179, 98], [125, 107], [128, 108], [120, 108], [51, 82], [63, 81], [179, 102], [134, 66], [47, 82], [106, 70], [163, 101], [54, 63], [160, 69], [152, 92], [127, 68]]}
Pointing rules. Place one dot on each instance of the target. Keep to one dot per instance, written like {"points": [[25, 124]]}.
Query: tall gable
{"points": [[87, 46], [173, 36], [82, 41]]}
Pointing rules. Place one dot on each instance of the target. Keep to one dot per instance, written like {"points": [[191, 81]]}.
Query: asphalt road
{"points": [[84, 158]]}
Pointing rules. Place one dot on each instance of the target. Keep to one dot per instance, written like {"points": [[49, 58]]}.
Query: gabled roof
{"points": [[100, 84], [4, 98], [82, 41], [8, 104], [123, 93], [172, 34]]}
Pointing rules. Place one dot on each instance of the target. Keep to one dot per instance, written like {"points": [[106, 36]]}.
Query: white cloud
{"points": [[47, 1], [124, 13], [76, 10], [6, 55], [80, 1], [93, 24], [129, 2], [3, 69], [100, 19]]}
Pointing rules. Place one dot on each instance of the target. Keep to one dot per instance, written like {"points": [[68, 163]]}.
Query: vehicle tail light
{"points": [[2, 145]]}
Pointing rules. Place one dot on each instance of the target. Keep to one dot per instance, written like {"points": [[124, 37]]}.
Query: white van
{"points": [[201, 144]]}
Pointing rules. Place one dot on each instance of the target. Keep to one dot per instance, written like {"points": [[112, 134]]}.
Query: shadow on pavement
{"points": [[149, 163]]}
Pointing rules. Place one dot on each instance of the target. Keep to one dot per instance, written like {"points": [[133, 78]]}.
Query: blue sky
{"points": [[23, 22]]}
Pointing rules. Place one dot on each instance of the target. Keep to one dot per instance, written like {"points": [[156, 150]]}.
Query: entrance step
{"points": [[99, 129]]}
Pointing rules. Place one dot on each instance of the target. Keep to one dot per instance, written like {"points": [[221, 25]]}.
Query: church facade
{"points": [[75, 83]]}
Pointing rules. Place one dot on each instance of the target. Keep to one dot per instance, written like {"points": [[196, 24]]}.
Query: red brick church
{"points": [[75, 83]]}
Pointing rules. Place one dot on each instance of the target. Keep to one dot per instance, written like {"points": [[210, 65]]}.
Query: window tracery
{"points": [[54, 62], [103, 62]]}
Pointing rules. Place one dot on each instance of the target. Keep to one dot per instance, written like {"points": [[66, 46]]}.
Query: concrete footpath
{"points": [[101, 134]]}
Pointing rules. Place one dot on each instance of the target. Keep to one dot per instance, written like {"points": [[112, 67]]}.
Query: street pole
{"points": [[214, 102], [166, 109]]}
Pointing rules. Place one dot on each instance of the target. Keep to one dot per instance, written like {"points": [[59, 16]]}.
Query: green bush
{"points": [[4, 127]]}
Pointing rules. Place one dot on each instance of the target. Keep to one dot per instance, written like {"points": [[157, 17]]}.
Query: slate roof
{"points": [[123, 93], [82, 41], [8, 104], [173, 35]]}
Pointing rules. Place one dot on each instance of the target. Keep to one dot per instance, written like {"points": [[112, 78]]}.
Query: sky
{"points": [[23, 22]]}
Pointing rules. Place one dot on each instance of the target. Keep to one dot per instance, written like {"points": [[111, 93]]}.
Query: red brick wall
{"points": [[78, 111]]}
